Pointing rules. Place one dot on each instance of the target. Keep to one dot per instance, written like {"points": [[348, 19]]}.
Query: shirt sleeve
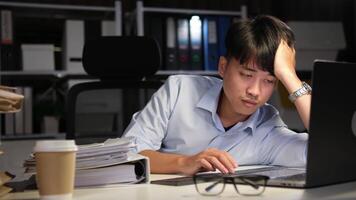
{"points": [[284, 147], [149, 125]]}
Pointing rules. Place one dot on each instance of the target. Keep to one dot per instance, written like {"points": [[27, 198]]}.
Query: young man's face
{"points": [[246, 87]]}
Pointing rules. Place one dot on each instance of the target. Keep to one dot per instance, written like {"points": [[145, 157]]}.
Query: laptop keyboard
{"points": [[296, 177], [282, 172]]}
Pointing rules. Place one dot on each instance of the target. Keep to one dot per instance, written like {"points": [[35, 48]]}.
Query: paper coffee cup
{"points": [[55, 168]]}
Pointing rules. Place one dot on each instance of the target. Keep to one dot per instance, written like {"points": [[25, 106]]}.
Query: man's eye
{"points": [[269, 81], [246, 75]]}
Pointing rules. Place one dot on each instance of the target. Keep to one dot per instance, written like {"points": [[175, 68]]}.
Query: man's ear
{"points": [[222, 66]]}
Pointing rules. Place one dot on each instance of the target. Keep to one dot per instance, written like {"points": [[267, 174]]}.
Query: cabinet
{"points": [[39, 24], [190, 39]]}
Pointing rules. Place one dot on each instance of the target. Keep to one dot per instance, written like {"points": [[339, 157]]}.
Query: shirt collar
{"points": [[249, 124], [210, 101]]}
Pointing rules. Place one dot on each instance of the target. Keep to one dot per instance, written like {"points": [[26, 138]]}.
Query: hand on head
{"points": [[284, 61]]}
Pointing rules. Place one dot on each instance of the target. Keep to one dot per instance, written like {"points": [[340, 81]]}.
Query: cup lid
{"points": [[55, 146]]}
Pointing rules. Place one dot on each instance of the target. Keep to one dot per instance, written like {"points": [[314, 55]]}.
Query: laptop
{"points": [[331, 155]]}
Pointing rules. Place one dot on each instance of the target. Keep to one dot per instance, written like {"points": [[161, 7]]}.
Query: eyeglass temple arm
{"points": [[207, 189], [249, 182]]}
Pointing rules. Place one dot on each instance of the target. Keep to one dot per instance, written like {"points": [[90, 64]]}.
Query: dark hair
{"points": [[257, 40]]}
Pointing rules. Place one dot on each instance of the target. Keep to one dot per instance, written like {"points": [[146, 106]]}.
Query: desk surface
{"points": [[158, 192]]}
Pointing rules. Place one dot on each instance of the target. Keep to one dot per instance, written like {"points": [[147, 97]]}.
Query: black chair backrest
{"points": [[119, 63], [113, 57]]}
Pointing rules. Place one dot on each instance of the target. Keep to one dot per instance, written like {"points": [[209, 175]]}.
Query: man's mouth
{"points": [[249, 103]]}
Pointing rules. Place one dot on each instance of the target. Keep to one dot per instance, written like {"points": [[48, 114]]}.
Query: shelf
{"points": [[141, 9], [56, 6], [43, 7], [195, 11], [33, 136]]}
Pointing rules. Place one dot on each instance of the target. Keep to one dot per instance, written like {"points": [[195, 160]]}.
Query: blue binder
{"points": [[223, 25], [210, 38]]}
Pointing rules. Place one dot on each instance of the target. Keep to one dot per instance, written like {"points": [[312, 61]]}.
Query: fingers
{"points": [[206, 165], [209, 160], [231, 160], [283, 46], [284, 62], [222, 166], [220, 160], [227, 161]]}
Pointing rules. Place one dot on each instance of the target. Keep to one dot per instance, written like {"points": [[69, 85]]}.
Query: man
{"points": [[197, 123]]}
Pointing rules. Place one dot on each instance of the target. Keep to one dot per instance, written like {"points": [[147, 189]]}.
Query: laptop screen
{"points": [[332, 138]]}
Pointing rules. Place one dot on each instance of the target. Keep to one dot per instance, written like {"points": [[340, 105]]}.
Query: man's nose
{"points": [[254, 89]]}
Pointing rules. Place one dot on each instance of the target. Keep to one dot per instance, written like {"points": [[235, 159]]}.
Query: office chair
{"points": [[124, 67]]}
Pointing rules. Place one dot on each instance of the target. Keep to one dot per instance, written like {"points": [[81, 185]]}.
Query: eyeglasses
{"points": [[213, 184]]}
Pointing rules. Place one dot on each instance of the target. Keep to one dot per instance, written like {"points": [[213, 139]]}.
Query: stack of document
{"points": [[110, 162], [105, 163], [9, 100], [112, 151]]}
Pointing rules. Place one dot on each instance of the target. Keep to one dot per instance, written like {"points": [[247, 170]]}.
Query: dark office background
{"points": [[305, 10]]}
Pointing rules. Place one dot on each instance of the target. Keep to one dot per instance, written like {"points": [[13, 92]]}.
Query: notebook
{"points": [[332, 135]]}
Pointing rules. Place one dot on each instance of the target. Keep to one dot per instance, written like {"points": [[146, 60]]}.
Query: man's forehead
{"points": [[252, 66]]}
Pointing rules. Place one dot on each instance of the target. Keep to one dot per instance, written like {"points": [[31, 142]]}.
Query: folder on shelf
{"points": [[28, 109], [183, 43], [108, 28], [74, 33], [210, 38], [9, 124], [171, 50], [19, 117], [195, 32], [223, 26], [6, 27], [9, 54]]}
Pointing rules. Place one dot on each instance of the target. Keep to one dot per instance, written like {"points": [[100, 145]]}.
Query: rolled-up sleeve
{"points": [[149, 126], [284, 147]]}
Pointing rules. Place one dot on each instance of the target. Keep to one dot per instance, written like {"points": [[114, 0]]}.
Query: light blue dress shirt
{"points": [[181, 118]]}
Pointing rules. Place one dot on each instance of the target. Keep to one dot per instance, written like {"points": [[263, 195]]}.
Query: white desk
{"points": [[159, 192]]}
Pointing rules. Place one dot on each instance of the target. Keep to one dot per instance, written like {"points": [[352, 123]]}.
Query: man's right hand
{"points": [[208, 160]]}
